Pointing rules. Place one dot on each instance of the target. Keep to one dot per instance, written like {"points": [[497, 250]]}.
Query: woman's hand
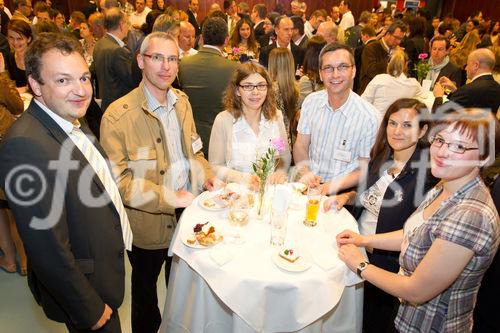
{"points": [[278, 177], [350, 237], [351, 255], [336, 202]]}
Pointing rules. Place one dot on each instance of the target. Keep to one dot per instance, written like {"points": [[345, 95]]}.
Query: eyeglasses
{"points": [[160, 58], [342, 68], [251, 87], [458, 148]]}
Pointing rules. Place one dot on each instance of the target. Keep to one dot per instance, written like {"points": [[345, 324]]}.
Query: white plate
{"points": [[187, 234], [300, 187], [300, 265], [207, 196]]}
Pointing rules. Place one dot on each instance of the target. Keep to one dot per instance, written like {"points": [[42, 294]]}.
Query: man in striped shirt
{"points": [[336, 128]]}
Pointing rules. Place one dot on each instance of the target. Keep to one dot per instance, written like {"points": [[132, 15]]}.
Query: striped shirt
{"points": [[178, 174], [352, 128], [469, 219]]}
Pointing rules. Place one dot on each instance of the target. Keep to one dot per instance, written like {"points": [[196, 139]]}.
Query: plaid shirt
{"points": [[468, 218]]}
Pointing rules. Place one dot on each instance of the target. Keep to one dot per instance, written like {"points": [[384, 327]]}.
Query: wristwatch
{"points": [[361, 267]]}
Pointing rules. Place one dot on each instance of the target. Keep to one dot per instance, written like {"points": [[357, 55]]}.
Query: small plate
{"points": [[300, 265], [299, 187], [208, 196], [196, 245]]}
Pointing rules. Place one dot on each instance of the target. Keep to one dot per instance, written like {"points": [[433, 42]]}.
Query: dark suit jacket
{"points": [[194, 22], [483, 92], [260, 34], [374, 60], [112, 65], [297, 52], [75, 262], [452, 72], [358, 52], [204, 78], [303, 44]]}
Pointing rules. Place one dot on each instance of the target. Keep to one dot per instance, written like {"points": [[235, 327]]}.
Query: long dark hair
{"points": [[235, 39], [381, 150], [311, 58]]}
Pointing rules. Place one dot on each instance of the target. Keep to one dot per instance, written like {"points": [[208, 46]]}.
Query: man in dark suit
{"points": [[482, 92], [375, 56], [205, 75], [440, 62], [112, 61], [299, 37], [258, 17], [284, 31], [192, 16], [368, 35], [66, 205]]}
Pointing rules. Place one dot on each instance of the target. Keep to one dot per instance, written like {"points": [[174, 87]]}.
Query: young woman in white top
{"points": [[242, 133]]}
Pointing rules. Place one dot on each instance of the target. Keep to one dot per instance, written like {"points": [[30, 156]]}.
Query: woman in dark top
{"points": [[20, 36], [416, 43], [395, 187]]}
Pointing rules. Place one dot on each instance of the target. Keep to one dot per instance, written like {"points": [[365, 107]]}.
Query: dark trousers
{"points": [[112, 326], [146, 267], [379, 310]]}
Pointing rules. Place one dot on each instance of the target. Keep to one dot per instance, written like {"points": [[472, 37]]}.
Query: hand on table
{"points": [[351, 255], [336, 202], [106, 315], [213, 184], [310, 179], [183, 199]]}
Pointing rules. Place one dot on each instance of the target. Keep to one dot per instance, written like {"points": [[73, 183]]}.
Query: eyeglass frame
{"points": [[161, 58], [449, 145], [342, 68], [246, 87]]}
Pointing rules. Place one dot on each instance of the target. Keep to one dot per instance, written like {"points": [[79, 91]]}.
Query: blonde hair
{"points": [[468, 44], [282, 72], [398, 63]]}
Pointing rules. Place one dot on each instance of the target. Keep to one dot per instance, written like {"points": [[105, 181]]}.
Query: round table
{"points": [[239, 288]]}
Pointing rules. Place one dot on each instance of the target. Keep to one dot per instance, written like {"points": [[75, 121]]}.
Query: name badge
{"points": [[342, 155], [196, 143]]}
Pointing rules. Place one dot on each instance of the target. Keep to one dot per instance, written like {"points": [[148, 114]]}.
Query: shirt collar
{"points": [[213, 47], [300, 40], [479, 75], [343, 109], [65, 125], [154, 105], [119, 41], [241, 124], [289, 46]]}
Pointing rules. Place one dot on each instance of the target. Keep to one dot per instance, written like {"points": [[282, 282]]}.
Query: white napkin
{"points": [[221, 254], [325, 259]]}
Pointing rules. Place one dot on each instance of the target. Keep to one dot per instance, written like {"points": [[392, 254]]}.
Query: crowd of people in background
{"points": [[351, 96]]}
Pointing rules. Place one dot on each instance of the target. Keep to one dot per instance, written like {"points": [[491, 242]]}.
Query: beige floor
{"points": [[19, 313]]}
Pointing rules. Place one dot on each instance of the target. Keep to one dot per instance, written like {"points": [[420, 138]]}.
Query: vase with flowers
{"points": [[264, 167], [422, 67]]}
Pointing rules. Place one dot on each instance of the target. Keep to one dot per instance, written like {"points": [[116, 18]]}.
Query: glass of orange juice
{"points": [[312, 206]]}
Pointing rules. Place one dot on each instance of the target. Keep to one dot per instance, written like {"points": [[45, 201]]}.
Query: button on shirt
{"points": [[178, 174], [350, 128], [248, 146]]}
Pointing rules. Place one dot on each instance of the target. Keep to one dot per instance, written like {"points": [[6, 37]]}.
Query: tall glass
{"points": [[238, 217], [278, 228], [312, 206]]}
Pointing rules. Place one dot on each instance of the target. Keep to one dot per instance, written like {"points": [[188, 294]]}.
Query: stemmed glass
{"points": [[238, 217]]}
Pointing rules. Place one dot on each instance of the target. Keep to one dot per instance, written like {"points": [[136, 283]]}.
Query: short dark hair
{"points": [[112, 19], [261, 10], [311, 57], [395, 25], [368, 30], [214, 31], [45, 42], [440, 38], [78, 16], [335, 46], [21, 27], [219, 14], [298, 24], [45, 26], [278, 20], [19, 3], [443, 27], [347, 3]]}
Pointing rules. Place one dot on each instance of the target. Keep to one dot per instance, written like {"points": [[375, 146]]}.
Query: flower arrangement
{"points": [[422, 67], [236, 54], [265, 166]]}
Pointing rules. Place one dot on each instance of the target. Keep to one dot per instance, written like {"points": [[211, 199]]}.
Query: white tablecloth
{"points": [[250, 293]]}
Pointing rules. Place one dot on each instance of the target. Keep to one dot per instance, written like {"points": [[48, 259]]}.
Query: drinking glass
{"points": [[238, 217], [312, 206], [278, 228]]}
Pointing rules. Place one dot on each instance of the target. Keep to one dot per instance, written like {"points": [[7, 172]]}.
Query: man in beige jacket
{"points": [[150, 136]]}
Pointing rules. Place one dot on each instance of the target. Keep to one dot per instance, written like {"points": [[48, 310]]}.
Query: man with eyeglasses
{"points": [[337, 127], [375, 56], [112, 60], [22, 11], [150, 136]]}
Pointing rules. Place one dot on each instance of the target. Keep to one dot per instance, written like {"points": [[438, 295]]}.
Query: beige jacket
{"points": [[134, 140], [221, 142], [10, 102]]}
